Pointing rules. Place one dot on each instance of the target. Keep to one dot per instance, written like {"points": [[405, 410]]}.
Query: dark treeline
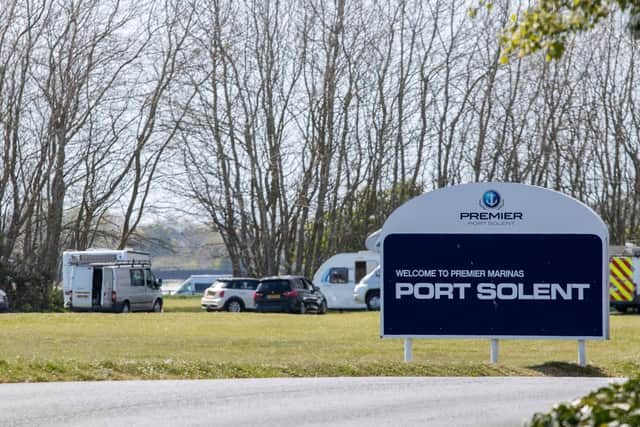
{"points": [[296, 127]]}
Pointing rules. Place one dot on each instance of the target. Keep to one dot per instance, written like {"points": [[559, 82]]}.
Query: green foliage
{"points": [[547, 24], [370, 211], [614, 405], [28, 290]]}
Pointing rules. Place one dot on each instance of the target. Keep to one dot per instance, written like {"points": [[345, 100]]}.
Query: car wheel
{"points": [[234, 306], [323, 307], [373, 301], [157, 306], [126, 308]]}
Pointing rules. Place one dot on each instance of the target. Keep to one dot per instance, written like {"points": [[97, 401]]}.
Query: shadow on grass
{"points": [[564, 369], [183, 310]]}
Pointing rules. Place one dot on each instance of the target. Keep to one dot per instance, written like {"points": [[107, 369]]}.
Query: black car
{"points": [[289, 294]]}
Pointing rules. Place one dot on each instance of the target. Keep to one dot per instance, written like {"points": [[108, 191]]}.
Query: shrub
{"points": [[614, 405], [29, 291]]}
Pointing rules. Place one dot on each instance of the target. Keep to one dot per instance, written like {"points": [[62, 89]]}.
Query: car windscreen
{"points": [[274, 286]]}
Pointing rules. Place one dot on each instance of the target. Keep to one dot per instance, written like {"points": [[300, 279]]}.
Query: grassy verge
{"points": [[185, 342]]}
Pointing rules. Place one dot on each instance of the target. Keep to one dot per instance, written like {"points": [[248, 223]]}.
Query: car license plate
{"points": [[273, 296]]}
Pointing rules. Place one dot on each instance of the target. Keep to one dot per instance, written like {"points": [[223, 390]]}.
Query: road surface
{"points": [[379, 401]]}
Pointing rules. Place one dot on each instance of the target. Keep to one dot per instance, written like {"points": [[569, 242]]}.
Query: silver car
{"points": [[231, 294]]}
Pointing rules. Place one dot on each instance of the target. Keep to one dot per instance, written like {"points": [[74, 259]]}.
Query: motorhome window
{"points": [[137, 277], [339, 275]]}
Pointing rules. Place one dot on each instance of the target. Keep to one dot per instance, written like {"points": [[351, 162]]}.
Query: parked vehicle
{"points": [[624, 278], [289, 294], [76, 263], [338, 276], [196, 284], [116, 281], [4, 301], [233, 294], [368, 290]]}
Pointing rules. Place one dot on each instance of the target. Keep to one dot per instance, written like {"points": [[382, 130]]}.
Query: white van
{"points": [[338, 276], [368, 290], [110, 280]]}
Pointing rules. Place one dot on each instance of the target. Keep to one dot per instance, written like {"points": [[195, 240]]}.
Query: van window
{"points": [[339, 275], [185, 288], [201, 287], [150, 279], [137, 277]]}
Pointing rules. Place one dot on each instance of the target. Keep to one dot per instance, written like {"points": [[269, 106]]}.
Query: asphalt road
{"points": [[380, 401]]}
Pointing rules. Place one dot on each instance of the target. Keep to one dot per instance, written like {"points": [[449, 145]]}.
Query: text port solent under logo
{"points": [[491, 200]]}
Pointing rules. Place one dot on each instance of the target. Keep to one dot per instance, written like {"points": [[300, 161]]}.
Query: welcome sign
{"points": [[494, 260]]}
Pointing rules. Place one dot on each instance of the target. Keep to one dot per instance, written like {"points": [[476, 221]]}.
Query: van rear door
{"points": [[81, 284]]}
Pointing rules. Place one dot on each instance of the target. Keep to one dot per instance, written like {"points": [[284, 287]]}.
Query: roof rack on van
{"points": [[118, 263], [104, 259]]}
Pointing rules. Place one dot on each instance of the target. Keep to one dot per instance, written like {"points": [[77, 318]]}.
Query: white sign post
{"points": [[495, 261]]}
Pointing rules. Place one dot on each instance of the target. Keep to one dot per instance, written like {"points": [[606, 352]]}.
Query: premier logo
{"points": [[484, 216], [491, 202]]}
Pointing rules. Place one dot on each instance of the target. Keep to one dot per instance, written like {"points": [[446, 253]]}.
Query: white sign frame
{"points": [[453, 210]]}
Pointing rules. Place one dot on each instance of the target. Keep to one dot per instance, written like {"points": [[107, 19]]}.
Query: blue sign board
{"points": [[494, 260], [493, 285]]}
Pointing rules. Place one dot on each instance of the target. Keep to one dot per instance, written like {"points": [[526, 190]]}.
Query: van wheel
{"points": [[157, 306], [373, 300], [234, 306], [125, 307]]}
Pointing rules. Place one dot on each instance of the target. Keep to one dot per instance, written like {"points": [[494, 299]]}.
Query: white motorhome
{"points": [[338, 276], [110, 280]]}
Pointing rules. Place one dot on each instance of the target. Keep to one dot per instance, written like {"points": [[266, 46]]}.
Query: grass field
{"points": [[184, 342]]}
